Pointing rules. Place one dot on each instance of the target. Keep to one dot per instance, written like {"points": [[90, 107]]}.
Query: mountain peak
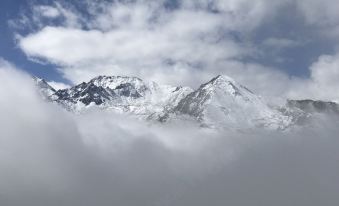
{"points": [[222, 78], [224, 102], [226, 85]]}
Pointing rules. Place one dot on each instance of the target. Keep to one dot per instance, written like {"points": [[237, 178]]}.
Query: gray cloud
{"points": [[50, 157]]}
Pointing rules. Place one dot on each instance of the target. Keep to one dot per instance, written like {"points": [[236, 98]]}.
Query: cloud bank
{"points": [[185, 42], [51, 157]]}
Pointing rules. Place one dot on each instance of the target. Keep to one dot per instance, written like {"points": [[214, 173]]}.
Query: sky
{"points": [[276, 48], [9, 48]]}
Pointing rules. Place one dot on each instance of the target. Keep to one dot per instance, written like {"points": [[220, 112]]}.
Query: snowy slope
{"points": [[222, 102]]}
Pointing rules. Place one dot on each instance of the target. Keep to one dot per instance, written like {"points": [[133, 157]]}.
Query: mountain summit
{"points": [[222, 102]]}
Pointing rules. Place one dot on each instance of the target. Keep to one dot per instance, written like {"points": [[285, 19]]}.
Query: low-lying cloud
{"points": [[51, 157]]}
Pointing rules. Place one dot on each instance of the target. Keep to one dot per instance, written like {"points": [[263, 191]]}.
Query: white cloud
{"points": [[320, 12], [280, 43], [188, 37], [241, 14], [143, 39], [324, 81], [41, 15], [72, 18], [135, 38], [323, 14], [47, 11], [185, 46]]}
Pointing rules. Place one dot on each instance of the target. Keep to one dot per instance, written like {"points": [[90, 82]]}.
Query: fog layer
{"points": [[49, 157]]}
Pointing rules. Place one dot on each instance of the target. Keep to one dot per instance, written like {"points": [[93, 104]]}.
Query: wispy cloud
{"points": [[47, 11], [186, 42], [280, 43]]}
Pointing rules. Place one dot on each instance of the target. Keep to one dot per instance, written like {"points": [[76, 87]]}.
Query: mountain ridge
{"points": [[219, 103]]}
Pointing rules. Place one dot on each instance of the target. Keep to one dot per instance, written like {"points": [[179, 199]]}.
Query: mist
{"points": [[50, 157]]}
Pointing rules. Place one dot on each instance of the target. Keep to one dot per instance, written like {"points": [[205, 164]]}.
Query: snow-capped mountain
{"points": [[221, 103], [103, 91], [121, 94]]}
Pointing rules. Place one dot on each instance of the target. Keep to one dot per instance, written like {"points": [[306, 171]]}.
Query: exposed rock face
{"points": [[102, 91]]}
